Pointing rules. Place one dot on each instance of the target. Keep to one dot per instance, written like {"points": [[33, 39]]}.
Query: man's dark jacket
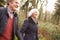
{"points": [[3, 21]]}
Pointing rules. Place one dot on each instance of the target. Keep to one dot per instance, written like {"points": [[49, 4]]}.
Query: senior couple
{"points": [[9, 23]]}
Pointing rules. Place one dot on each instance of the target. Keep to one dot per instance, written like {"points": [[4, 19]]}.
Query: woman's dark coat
{"points": [[29, 29]]}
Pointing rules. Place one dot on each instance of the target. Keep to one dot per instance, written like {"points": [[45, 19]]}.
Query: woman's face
{"points": [[35, 15]]}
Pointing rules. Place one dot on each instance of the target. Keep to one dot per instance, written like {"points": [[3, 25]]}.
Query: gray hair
{"points": [[33, 11], [8, 1]]}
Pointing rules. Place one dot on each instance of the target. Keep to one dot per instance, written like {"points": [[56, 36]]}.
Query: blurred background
{"points": [[49, 17]]}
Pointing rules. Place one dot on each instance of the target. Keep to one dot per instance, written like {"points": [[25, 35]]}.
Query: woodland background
{"points": [[49, 19]]}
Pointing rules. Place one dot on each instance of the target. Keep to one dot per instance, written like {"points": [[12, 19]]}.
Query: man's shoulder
{"points": [[1, 8], [1, 12], [26, 20]]}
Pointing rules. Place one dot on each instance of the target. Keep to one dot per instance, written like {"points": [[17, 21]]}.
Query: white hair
{"points": [[33, 11]]}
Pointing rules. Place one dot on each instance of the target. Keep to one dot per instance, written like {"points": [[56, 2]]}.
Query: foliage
{"points": [[2, 3], [57, 12], [49, 31]]}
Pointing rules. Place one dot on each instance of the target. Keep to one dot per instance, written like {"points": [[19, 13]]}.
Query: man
{"points": [[9, 21]]}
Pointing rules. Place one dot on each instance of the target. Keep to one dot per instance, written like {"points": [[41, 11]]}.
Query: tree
{"points": [[2, 3], [41, 9], [34, 3], [25, 7], [57, 12], [45, 19]]}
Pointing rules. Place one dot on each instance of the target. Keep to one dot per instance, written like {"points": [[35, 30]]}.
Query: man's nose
{"points": [[18, 5]]}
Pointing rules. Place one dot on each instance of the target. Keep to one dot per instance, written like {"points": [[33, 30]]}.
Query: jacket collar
{"points": [[6, 12], [31, 20]]}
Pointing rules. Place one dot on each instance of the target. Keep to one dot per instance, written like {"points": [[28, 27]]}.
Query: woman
{"points": [[29, 28]]}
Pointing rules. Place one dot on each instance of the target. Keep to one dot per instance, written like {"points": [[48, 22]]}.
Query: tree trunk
{"points": [[34, 3], [26, 10]]}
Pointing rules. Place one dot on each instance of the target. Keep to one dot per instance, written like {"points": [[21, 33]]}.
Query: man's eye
{"points": [[17, 2]]}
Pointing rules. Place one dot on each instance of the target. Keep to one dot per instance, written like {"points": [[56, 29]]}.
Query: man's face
{"points": [[14, 5]]}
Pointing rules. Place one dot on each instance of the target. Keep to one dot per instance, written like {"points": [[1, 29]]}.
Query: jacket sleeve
{"points": [[37, 35], [19, 35], [24, 27], [17, 31], [1, 15]]}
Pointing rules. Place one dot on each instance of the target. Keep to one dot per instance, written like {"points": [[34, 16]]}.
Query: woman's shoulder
{"points": [[26, 20]]}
